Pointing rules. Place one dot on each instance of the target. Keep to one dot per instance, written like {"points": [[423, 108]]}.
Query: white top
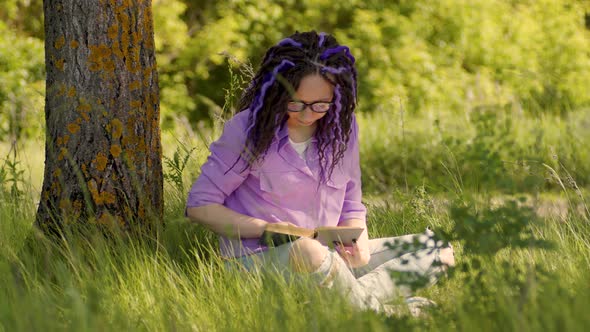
{"points": [[300, 147]]}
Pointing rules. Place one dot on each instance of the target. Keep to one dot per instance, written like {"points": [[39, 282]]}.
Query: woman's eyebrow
{"points": [[325, 99]]}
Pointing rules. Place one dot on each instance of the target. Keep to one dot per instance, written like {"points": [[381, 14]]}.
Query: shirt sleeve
{"points": [[217, 181], [353, 208]]}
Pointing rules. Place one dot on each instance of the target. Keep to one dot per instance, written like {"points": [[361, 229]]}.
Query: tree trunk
{"points": [[103, 153]]}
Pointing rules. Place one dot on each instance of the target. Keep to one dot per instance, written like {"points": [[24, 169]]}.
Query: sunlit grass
{"points": [[179, 282]]}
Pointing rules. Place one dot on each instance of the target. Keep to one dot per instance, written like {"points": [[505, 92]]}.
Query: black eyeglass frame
{"points": [[311, 106]]}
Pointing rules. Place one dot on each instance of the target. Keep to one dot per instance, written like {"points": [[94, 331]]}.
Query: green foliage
{"points": [[21, 84], [23, 16], [171, 36], [487, 232], [12, 178], [176, 166], [432, 55], [12, 175]]}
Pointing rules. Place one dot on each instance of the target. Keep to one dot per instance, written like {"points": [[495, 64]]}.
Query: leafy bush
{"points": [[445, 55], [22, 75]]}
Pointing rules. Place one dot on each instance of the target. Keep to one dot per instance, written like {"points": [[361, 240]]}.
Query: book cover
{"points": [[277, 234]]}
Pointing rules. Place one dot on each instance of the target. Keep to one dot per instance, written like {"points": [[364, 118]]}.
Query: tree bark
{"points": [[103, 152]]}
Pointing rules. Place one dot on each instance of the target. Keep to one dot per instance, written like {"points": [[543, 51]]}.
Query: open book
{"points": [[277, 234]]}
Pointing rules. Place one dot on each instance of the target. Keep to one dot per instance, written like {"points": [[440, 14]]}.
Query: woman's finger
{"points": [[342, 251], [347, 249]]}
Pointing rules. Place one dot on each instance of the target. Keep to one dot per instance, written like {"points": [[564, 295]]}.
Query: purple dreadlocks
{"points": [[283, 67]]}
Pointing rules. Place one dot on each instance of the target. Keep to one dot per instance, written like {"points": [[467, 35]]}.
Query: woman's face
{"points": [[312, 88]]}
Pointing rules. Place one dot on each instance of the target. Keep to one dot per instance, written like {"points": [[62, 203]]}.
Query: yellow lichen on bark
{"points": [[109, 66], [134, 85], [62, 154], [115, 150], [124, 5], [141, 210], [99, 58], [84, 109], [141, 146], [61, 90], [113, 31], [73, 128], [116, 128], [101, 198], [147, 27], [124, 20], [105, 219], [64, 204], [147, 76], [74, 44], [107, 197], [117, 50], [71, 91], [85, 170], [56, 173], [59, 64], [101, 161], [93, 188], [55, 188], [59, 43]]}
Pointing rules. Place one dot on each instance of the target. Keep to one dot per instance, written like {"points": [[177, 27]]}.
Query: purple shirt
{"points": [[284, 187]]}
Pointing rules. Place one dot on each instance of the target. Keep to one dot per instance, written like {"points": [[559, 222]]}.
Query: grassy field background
{"points": [[507, 191]]}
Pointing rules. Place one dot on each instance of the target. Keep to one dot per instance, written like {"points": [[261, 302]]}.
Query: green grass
{"points": [[487, 149], [179, 282], [521, 264]]}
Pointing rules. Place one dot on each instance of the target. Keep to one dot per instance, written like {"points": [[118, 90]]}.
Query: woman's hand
{"points": [[357, 254]]}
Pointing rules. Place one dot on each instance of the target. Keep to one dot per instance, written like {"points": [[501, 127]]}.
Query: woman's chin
{"points": [[305, 124], [300, 124]]}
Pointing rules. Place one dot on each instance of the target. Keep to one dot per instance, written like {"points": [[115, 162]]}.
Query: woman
{"points": [[291, 155]]}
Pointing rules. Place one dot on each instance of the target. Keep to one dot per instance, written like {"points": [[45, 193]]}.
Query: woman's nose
{"points": [[307, 113]]}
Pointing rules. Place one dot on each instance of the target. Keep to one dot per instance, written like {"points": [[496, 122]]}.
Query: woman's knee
{"points": [[447, 256], [306, 255]]}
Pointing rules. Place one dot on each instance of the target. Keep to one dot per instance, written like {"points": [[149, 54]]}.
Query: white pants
{"points": [[415, 257]]}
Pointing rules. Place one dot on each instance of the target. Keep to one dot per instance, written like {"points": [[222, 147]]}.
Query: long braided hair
{"points": [[283, 67]]}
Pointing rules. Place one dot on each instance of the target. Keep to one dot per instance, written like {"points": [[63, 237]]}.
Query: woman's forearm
{"points": [[227, 222]]}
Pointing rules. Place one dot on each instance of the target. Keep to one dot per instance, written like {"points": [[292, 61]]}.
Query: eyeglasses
{"points": [[316, 106]]}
